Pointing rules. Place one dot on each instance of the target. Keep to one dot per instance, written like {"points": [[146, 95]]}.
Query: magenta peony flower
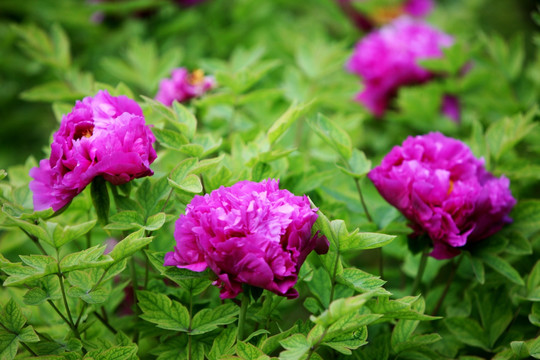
{"points": [[446, 193], [419, 8], [388, 59], [183, 86], [250, 233], [104, 136]]}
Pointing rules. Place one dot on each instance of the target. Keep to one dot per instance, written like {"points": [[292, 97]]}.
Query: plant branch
{"points": [[455, 266], [420, 273]]}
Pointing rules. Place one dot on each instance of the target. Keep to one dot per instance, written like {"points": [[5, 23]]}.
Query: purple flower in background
{"points": [[418, 8], [187, 3], [388, 59], [104, 136], [444, 191], [183, 86], [249, 233]]}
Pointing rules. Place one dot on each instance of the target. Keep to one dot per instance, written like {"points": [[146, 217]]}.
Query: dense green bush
{"points": [[282, 108]]}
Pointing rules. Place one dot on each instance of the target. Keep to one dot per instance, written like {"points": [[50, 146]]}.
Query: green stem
{"points": [[135, 290], [190, 323], [455, 266], [336, 263], [357, 182], [35, 240], [58, 312], [420, 273], [381, 262], [243, 312], [316, 345], [105, 322]]}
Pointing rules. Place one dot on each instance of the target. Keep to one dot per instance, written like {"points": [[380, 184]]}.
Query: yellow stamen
{"points": [[386, 14], [450, 188], [196, 77]]}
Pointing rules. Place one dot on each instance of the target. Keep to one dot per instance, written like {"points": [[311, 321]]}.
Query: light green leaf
{"points": [[160, 310], [249, 352], [185, 120], [362, 281], [169, 138], [209, 319], [280, 126], [223, 344], [9, 343], [333, 135], [73, 232], [295, 346], [28, 335], [129, 245], [89, 258], [363, 241], [359, 165], [155, 221]]}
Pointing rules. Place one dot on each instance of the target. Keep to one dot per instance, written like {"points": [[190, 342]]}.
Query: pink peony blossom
{"points": [[183, 86], [249, 233], [444, 191], [104, 136], [388, 59], [419, 8]]}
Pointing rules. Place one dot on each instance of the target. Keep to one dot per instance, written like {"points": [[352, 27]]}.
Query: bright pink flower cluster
{"points": [[249, 233], [388, 58], [183, 86], [104, 136], [438, 184]]}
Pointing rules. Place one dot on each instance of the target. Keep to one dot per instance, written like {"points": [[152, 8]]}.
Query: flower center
{"points": [[196, 77], [450, 188], [386, 14], [83, 131]]}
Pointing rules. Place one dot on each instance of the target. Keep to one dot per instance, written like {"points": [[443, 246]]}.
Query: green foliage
{"points": [[88, 281]]}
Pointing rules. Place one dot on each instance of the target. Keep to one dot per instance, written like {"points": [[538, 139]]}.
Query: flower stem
{"points": [[105, 322], [242, 317], [36, 241], [455, 266], [420, 273], [368, 216]]}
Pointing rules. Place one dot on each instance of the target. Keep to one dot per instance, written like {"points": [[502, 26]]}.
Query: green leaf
{"points": [[125, 220], [477, 267], [358, 165], [340, 308], [362, 281], [155, 221], [114, 353], [249, 352], [95, 296], [190, 184], [129, 245], [363, 241], [223, 344], [160, 310], [467, 331], [272, 343], [503, 135], [404, 328], [100, 199], [28, 335], [185, 120], [39, 267], [319, 285], [332, 135], [209, 319], [9, 343], [534, 348], [295, 346], [86, 259], [73, 232], [519, 348], [11, 317], [280, 126], [502, 267], [169, 138], [52, 91], [526, 215], [31, 228], [495, 315]]}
